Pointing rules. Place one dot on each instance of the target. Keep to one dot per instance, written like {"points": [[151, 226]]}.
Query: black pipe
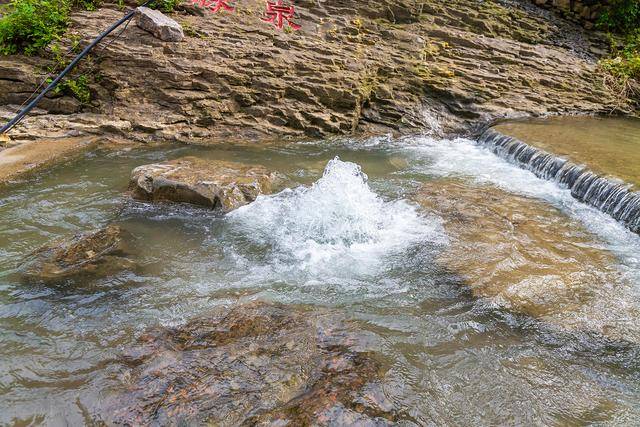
{"points": [[64, 72]]}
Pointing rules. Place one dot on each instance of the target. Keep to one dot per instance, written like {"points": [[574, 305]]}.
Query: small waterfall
{"points": [[609, 196]]}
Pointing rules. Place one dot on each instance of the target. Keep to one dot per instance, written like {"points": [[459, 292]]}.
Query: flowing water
{"points": [[494, 297], [602, 187], [595, 141]]}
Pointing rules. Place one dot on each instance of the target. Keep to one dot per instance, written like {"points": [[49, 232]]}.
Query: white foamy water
{"points": [[463, 157], [337, 226], [617, 304]]}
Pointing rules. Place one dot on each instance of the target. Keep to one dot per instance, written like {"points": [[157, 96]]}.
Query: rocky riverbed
{"points": [[393, 291], [347, 281], [253, 364]]}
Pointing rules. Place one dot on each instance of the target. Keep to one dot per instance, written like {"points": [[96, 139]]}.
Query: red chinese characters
{"points": [[214, 5], [278, 14]]}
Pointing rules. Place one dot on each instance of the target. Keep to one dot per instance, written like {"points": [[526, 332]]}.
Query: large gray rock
{"points": [[159, 25], [210, 183]]}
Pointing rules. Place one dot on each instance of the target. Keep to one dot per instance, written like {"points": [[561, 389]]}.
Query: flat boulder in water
{"points": [[527, 256], [213, 184], [99, 252], [254, 364]]}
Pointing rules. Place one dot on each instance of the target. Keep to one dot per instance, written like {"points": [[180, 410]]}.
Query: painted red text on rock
{"points": [[279, 14], [276, 13], [214, 5]]}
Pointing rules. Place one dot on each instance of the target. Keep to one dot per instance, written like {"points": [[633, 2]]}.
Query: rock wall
{"points": [[371, 66], [585, 12]]}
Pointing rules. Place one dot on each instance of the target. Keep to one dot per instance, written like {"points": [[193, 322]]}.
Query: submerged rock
{"points": [[256, 363], [210, 183], [159, 25], [524, 255], [100, 252]]}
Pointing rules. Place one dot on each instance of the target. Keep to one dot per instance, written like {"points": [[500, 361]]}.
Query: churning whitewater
{"points": [[338, 224]]}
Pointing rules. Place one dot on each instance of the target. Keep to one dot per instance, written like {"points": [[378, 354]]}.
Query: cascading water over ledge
{"points": [[611, 197]]}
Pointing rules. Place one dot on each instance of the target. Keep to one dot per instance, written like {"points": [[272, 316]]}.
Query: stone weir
{"points": [[606, 194]]}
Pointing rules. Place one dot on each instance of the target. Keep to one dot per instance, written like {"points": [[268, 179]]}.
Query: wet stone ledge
{"points": [[610, 196]]}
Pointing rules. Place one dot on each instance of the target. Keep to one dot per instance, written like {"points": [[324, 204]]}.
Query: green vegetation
{"points": [[622, 18], [86, 4], [164, 5], [77, 87], [625, 61], [30, 25], [75, 84]]}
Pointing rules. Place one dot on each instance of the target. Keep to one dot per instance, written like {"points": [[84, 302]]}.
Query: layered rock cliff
{"points": [[365, 66]]}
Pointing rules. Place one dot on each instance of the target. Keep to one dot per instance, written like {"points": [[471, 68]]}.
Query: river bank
{"points": [[371, 67]]}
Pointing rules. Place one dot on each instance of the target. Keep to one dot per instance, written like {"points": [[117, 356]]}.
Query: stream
{"points": [[490, 296]]}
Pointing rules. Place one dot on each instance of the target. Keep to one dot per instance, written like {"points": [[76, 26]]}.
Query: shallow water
{"points": [[607, 145], [361, 237]]}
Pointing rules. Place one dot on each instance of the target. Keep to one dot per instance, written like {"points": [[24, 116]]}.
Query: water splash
{"points": [[337, 225], [609, 196]]}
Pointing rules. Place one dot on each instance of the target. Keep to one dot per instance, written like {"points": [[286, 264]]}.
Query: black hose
{"points": [[64, 72]]}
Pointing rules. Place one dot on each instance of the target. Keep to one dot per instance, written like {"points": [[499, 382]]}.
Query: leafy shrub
{"points": [[30, 25], [78, 88], [623, 65], [86, 4], [76, 83], [164, 5], [623, 70], [622, 16]]}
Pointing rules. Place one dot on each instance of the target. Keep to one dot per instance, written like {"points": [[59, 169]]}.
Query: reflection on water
{"points": [[609, 146], [421, 282]]}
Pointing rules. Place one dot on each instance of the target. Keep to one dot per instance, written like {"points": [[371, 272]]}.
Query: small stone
{"points": [[158, 24], [100, 252]]}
